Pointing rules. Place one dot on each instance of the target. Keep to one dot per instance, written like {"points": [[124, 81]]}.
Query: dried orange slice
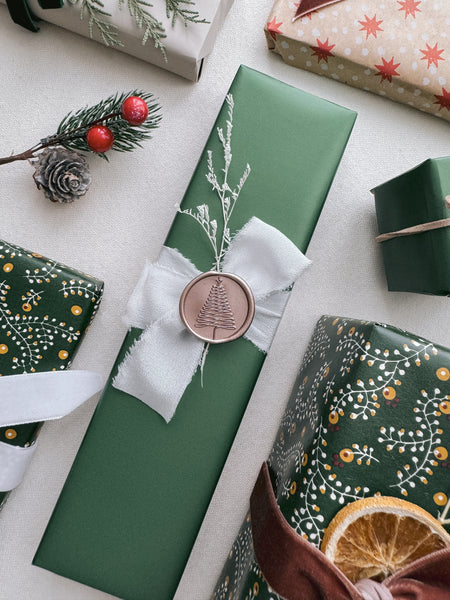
{"points": [[376, 537]]}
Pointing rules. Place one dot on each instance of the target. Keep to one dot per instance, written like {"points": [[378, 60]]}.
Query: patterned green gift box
{"points": [[45, 309], [369, 415]]}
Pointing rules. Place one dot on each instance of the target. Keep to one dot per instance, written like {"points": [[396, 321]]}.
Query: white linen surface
{"points": [[42, 77]]}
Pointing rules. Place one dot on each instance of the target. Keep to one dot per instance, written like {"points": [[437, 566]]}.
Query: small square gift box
{"points": [[413, 212], [178, 392], [45, 310], [367, 426], [176, 35], [399, 49]]}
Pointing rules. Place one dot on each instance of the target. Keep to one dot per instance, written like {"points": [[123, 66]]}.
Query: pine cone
{"points": [[63, 175]]}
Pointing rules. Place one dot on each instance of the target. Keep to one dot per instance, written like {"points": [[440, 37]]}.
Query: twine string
{"points": [[432, 225]]}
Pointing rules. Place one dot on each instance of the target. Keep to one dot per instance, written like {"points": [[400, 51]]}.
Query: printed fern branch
{"points": [[153, 28], [94, 10], [186, 14]]}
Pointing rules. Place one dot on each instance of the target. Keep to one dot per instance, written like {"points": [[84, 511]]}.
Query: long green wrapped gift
{"points": [[139, 488], [369, 415], [45, 309], [413, 212]]}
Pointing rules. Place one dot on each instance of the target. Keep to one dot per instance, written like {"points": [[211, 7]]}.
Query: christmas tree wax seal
{"points": [[217, 307]]}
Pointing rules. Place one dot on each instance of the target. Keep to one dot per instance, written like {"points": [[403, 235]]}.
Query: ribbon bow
{"points": [[36, 397], [162, 362], [307, 6], [296, 570]]}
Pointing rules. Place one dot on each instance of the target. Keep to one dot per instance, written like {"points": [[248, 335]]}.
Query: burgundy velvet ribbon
{"points": [[297, 570], [307, 6]]}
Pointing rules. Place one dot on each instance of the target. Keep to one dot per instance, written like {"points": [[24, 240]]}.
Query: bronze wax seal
{"points": [[217, 307]]}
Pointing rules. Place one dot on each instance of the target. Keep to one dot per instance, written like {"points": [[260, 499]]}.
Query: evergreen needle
{"points": [[153, 28], [73, 128], [180, 8], [94, 10]]}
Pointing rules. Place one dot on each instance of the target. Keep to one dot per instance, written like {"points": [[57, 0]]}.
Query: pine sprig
{"points": [[94, 10], [176, 9], [72, 130], [153, 28]]}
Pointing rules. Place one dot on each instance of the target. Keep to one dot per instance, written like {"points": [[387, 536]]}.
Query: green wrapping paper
{"points": [[420, 262], [146, 484], [45, 309], [369, 414]]}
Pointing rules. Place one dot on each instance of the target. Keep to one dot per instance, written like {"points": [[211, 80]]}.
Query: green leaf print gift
{"points": [[45, 310], [369, 415]]}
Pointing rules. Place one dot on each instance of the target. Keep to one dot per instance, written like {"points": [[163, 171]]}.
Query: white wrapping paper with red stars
{"points": [[395, 48]]}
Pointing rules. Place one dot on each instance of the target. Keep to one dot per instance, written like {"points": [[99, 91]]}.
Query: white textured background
{"points": [[41, 78]]}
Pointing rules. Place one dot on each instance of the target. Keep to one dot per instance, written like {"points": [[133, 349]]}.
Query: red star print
{"points": [[410, 7], [370, 26], [443, 100], [273, 28], [322, 50], [432, 55], [387, 70]]}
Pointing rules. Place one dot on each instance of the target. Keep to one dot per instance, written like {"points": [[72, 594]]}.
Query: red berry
{"points": [[134, 110], [100, 138]]}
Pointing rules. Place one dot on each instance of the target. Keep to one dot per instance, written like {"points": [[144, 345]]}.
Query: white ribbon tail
{"points": [[160, 365], [14, 461], [36, 397]]}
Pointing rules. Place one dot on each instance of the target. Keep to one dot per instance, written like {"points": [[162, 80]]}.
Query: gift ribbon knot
{"points": [[162, 362], [297, 570]]}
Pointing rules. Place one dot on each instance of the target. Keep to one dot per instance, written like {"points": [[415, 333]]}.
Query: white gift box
{"points": [[185, 46]]}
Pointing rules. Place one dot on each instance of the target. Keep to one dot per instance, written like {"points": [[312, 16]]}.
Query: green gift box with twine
{"points": [[144, 496], [369, 415], [413, 212], [45, 309]]}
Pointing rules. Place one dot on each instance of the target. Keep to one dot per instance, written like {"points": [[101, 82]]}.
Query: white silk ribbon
{"points": [[36, 397], [161, 363]]}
